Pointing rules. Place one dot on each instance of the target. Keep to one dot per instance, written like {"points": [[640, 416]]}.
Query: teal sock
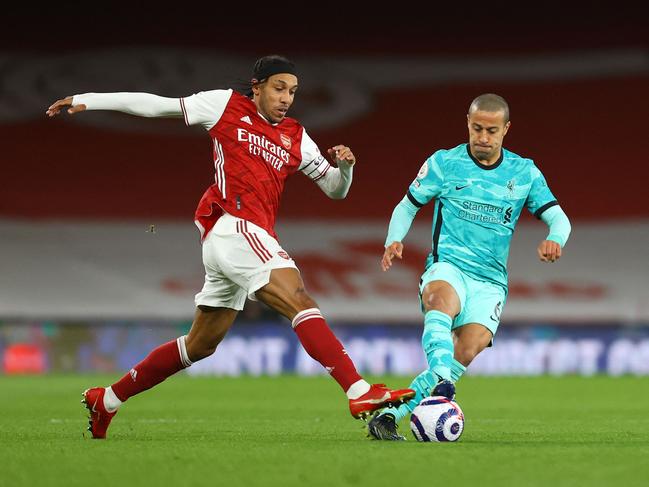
{"points": [[457, 369], [438, 343], [423, 385], [438, 346]]}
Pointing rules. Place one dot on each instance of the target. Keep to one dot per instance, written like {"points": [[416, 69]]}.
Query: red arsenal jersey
{"points": [[252, 158]]}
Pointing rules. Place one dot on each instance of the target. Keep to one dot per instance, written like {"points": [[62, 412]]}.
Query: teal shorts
{"points": [[480, 301]]}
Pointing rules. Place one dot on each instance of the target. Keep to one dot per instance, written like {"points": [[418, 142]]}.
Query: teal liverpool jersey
{"points": [[477, 207]]}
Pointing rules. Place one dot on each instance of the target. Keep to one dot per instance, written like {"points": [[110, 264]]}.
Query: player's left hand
{"points": [[340, 153], [549, 251]]}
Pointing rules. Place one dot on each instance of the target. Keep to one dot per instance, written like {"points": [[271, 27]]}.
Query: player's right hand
{"points": [[395, 249], [58, 105]]}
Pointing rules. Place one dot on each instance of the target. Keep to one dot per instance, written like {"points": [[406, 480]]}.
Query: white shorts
{"points": [[238, 257]]}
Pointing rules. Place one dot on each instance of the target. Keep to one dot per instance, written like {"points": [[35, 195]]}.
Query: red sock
{"points": [[322, 345], [161, 363]]}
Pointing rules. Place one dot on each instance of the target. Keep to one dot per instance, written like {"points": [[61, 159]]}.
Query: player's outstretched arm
{"points": [[140, 104], [395, 249]]}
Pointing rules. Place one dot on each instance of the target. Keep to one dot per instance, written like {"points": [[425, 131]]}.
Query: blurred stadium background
{"points": [[99, 257]]}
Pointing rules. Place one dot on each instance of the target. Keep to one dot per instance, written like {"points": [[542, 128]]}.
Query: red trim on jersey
{"points": [[321, 175], [182, 107]]}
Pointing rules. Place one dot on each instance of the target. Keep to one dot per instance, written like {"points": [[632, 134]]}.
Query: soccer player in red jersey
{"points": [[255, 148]]}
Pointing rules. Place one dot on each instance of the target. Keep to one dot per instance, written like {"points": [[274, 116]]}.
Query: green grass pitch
{"points": [[290, 431]]}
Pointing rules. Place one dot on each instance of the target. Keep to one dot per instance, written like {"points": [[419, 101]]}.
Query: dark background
{"points": [[332, 27], [579, 131]]}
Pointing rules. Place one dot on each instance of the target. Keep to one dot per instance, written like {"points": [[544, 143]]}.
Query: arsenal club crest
{"points": [[286, 140]]}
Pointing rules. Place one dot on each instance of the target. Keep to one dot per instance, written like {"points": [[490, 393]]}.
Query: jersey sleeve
{"points": [[205, 108], [313, 164], [540, 197], [428, 183]]}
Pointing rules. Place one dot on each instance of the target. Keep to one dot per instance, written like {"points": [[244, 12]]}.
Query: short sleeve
{"points": [[313, 164], [540, 197], [205, 108], [428, 183]]}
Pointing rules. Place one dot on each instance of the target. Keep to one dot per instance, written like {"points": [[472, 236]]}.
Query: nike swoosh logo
{"points": [[457, 188], [385, 397]]}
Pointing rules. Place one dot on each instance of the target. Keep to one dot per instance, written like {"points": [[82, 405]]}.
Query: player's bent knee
{"points": [[433, 301]]}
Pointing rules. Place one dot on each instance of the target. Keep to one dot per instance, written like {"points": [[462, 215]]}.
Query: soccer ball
{"points": [[437, 418]]}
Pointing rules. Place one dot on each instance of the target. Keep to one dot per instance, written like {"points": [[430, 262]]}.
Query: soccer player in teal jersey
{"points": [[480, 189]]}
